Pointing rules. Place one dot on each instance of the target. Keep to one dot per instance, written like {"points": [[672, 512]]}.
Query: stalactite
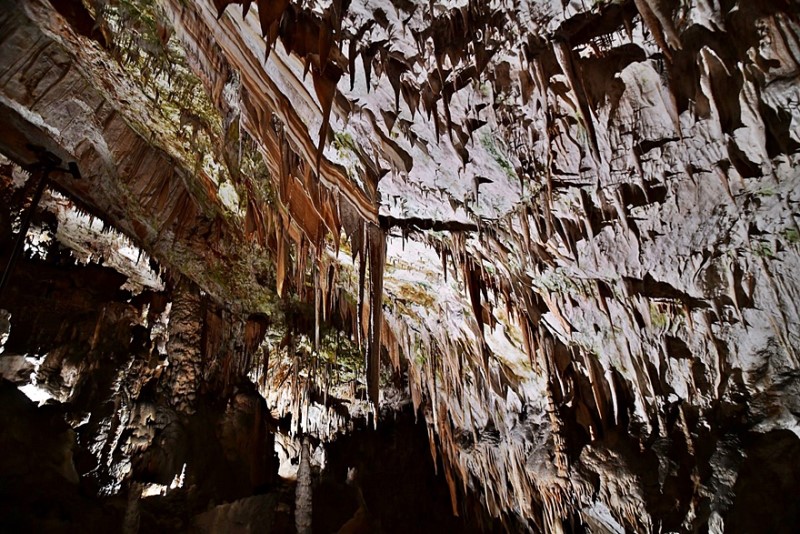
{"points": [[597, 356], [563, 53], [377, 261], [282, 262], [362, 286], [660, 25]]}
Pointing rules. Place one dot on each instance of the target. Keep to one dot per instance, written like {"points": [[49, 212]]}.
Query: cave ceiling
{"points": [[566, 230]]}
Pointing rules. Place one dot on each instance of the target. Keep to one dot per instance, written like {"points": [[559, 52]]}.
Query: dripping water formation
{"points": [[399, 266]]}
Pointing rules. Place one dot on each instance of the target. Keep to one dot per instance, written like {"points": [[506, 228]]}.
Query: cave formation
{"points": [[399, 266]]}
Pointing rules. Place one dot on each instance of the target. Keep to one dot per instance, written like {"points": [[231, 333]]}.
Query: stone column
{"points": [[183, 348], [302, 514]]}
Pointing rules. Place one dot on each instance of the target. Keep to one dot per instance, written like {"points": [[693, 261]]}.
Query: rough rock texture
{"points": [[569, 229], [184, 347], [633, 241], [96, 349], [303, 506], [64, 94]]}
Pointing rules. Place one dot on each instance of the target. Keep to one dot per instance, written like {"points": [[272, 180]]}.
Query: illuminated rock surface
{"points": [[563, 236]]}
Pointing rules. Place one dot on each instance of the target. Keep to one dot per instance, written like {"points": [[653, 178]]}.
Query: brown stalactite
{"points": [[377, 262]]}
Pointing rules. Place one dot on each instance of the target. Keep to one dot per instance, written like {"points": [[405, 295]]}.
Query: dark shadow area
{"points": [[768, 487], [393, 485]]}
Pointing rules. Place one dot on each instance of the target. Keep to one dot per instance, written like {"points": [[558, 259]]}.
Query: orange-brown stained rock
{"points": [[270, 12], [377, 263]]}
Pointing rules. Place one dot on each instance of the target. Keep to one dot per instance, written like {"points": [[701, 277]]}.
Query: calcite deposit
{"points": [[562, 236]]}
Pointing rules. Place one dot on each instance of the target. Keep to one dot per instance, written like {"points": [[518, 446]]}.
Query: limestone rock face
{"points": [[567, 231]]}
